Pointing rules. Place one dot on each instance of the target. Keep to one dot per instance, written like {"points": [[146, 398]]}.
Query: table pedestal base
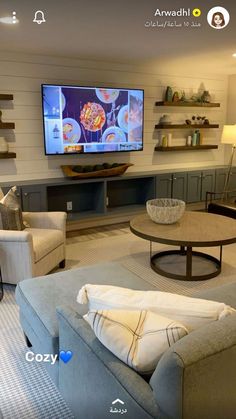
{"points": [[190, 257]]}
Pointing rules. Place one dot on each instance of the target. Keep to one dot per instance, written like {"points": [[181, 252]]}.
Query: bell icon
{"points": [[39, 17]]}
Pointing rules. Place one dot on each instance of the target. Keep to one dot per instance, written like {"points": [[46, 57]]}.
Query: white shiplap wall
{"points": [[23, 74]]}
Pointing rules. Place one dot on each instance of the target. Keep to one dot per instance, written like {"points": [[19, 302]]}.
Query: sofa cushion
{"points": [[44, 241], [226, 293], [138, 338], [38, 297]]}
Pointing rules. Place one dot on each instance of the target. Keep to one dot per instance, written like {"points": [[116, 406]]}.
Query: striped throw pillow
{"points": [[138, 338]]}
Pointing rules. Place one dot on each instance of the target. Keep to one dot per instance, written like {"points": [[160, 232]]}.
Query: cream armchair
{"points": [[34, 251]]}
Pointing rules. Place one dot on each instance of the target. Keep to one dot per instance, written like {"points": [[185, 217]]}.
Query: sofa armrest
{"points": [[199, 371], [16, 255], [95, 377], [52, 220]]}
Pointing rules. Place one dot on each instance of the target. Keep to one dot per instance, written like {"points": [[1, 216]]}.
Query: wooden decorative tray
{"points": [[114, 171]]}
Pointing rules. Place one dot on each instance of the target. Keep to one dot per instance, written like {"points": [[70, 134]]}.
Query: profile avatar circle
{"points": [[218, 17]]}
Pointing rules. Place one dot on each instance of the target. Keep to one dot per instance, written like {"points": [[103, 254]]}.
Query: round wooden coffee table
{"points": [[195, 229]]}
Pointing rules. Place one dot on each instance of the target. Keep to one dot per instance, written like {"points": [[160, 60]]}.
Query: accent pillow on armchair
{"points": [[10, 210]]}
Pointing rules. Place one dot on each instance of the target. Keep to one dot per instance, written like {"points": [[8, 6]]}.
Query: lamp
{"points": [[229, 137]]}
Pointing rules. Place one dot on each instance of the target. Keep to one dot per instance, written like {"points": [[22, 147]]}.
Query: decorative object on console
{"points": [[229, 137], [101, 170], [165, 210], [3, 145]]}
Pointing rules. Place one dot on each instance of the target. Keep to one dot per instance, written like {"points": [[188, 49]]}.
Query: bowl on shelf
{"points": [[165, 210]]}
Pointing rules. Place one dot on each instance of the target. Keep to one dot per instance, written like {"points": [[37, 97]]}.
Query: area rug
{"points": [[120, 245], [26, 390]]}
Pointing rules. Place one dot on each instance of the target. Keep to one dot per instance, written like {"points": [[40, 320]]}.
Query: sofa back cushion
{"points": [[192, 312]]}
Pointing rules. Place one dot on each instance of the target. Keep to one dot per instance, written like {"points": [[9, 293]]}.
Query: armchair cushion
{"points": [[44, 241], [48, 220]]}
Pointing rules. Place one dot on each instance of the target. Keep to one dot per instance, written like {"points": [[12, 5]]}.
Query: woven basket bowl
{"points": [[164, 210]]}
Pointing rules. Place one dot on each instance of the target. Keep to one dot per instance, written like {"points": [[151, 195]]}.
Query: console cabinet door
{"points": [[179, 190], [164, 186], [232, 182], [208, 183], [194, 184], [34, 198], [220, 179]]}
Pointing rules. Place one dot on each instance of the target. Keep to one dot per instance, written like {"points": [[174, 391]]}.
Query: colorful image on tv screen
{"points": [[92, 120]]}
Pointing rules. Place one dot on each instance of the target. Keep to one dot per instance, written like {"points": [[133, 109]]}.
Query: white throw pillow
{"points": [[138, 338], [192, 312]]}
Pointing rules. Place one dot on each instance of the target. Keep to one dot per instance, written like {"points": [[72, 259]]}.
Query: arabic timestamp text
{"points": [[169, 24]]}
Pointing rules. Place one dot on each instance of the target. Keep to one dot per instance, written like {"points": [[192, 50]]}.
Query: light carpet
{"points": [[122, 246], [26, 390]]}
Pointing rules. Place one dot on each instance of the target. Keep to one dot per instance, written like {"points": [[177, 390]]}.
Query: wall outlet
{"points": [[69, 205]]}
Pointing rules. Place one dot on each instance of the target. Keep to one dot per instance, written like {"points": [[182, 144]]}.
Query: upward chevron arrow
{"points": [[118, 401]]}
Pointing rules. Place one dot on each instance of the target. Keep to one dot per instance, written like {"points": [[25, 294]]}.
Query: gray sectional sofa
{"points": [[195, 378]]}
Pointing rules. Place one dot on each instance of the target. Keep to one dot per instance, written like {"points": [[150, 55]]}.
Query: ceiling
{"points": [[114, 30]]}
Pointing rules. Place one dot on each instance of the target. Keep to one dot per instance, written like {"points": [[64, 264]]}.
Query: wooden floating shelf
{"points": [[6, 97], [185, 126], [191, 104], [7, 125], [7, 155], [186, 147]]}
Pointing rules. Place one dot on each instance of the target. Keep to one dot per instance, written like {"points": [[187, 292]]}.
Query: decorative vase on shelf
{"points": [[206, 97], [165, 120], [168, 94], [3, 145]]}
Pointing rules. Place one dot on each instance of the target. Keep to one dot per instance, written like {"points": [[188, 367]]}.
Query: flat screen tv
{"points": [[80, 120]]}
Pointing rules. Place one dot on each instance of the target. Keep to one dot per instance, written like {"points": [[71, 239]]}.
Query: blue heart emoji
{"points": [[66, 356]]}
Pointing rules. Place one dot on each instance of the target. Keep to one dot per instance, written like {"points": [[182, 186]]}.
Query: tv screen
{"points": [[92, 119]]}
